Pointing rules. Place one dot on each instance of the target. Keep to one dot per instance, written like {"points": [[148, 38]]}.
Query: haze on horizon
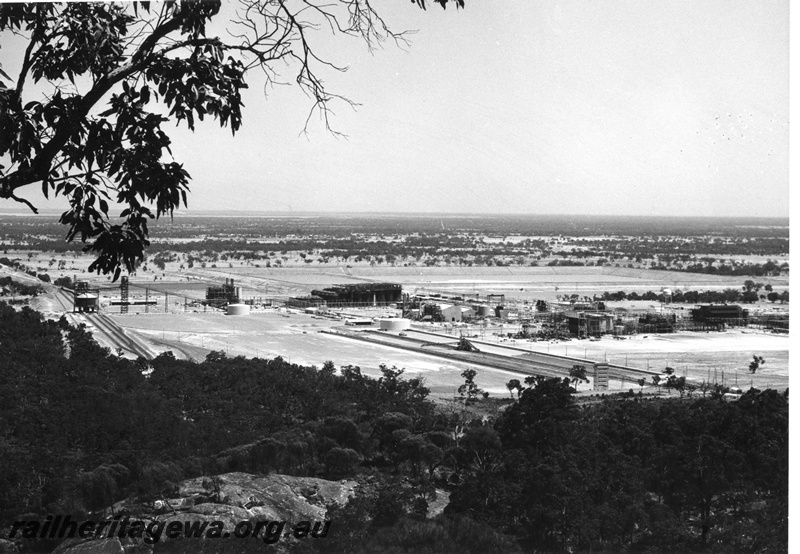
{"points": [[617, 107]]}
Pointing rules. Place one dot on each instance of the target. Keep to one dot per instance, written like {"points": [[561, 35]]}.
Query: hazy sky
{"points": [[593, 107]]}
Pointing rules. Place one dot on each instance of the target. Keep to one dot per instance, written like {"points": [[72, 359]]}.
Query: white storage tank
{"points": [[485, 311], [394, 324], [238, 309]]}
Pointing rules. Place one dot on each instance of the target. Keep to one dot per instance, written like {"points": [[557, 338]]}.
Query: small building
{"points": [[358, 322], [451, 313], [507, 315]]}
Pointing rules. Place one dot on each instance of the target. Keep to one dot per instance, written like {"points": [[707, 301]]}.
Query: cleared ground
{"points": [[524, 283], [296, 337]]}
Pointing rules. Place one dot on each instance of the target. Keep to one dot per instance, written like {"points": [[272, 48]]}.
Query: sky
{"points": [[613, 107]]}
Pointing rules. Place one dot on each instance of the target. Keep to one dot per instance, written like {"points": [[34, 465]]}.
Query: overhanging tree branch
{"points": [[133, 57]]}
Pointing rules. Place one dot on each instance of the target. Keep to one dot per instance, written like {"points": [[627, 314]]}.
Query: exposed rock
{"points": [[229, 498], [7, 547], [103, 546], [437, 506], [110, 546]]}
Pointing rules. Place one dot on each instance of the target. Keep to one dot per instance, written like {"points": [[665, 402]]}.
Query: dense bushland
{"points": [[81, 428]]}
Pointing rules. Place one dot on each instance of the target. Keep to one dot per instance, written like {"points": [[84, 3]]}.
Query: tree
{"points": [[340, 462], [513, 385], [96, 136], [482, 446], [657, 382], [469, 390], [750, 296], [773, 296], [757, 362], [578, 374], [328, 369]]}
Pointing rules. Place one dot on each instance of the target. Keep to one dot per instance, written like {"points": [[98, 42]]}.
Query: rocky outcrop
{"points": [[7, 547], [230, 498]]}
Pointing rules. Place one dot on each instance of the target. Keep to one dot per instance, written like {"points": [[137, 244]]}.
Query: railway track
{"points": [[116, 337], [493, 361], [545, 360], [63, 298], [516, 360]]}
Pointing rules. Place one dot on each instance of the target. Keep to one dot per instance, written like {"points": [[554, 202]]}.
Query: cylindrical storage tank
{"points": [[394, 324], [238, 309], [485, 311]]}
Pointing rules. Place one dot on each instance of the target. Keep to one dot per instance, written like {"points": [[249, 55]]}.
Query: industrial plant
{"points": [[457, 327]]}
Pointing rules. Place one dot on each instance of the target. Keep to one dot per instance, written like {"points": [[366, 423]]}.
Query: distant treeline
{"points": [[505, 225], [671, 244], [81, 428], [749, 294], [767, 269], [631, 248]]}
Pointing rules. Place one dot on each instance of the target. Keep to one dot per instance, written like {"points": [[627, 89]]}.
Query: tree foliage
{"points": [[757, 362], [114, 73]]}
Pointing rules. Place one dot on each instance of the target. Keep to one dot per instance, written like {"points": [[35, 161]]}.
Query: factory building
{"points": [[373, 294], [457, 313], [732, 314], [447, 312], [86, 299], [306, 302], [224, 294], [589, 323]]}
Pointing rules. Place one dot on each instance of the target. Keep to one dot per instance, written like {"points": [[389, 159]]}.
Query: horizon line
{"points": [[281, 213]]}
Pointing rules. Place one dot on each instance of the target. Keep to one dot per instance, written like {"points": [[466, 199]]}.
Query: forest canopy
{"points": [[81, 428]]}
